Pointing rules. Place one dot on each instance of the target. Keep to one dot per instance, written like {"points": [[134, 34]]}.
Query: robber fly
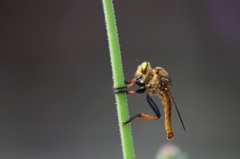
{"points": [[153, 81]]}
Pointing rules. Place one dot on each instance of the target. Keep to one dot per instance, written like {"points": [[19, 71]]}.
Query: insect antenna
{"points": [[138, 61], [174, 103]]}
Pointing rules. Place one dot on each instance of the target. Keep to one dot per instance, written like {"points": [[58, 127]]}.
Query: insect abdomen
{"points": [[167, 110]]}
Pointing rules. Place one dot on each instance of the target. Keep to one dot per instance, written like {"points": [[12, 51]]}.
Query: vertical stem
{"points": [[118, 80]]}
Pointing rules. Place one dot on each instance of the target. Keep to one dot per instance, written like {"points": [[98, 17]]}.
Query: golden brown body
{"points": [[167, 111], [154, 81]]}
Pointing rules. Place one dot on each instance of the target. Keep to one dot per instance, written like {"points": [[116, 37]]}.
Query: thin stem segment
{"points": [[118, 79]]}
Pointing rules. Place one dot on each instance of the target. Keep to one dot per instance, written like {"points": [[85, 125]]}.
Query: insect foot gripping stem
{"points": [[170, 136], [117, 90]]}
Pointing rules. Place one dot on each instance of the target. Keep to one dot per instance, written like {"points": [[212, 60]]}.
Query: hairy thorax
{"points": [[158, 81]]}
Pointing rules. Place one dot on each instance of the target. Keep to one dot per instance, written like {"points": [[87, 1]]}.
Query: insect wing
{"points": [[179, 115]]}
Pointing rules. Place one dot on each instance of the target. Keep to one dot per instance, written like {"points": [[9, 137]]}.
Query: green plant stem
{"points": [[118, 79]]}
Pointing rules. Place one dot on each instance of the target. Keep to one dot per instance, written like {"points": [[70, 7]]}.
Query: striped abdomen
{"points": [[167, 111]]}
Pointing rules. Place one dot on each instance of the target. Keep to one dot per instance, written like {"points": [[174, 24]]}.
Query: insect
{"points": [[153, 81]]}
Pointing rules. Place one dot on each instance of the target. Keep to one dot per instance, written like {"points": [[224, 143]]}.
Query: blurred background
{"points": [[56, 99]]}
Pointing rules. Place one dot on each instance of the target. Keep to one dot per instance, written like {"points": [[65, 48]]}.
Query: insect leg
{"points": [[140, 84], [142, 90], [153, 106], [129, 84], [141, 115], [131, 119], [135, 80], [146, 116]]}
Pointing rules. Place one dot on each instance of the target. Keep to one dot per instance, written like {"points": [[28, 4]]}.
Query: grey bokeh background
{"points": [[56, 100]]}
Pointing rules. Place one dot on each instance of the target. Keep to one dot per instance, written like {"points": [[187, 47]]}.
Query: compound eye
{"points": [[144, 67]]}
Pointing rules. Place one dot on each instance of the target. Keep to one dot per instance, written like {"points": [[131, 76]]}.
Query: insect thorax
{"points": [[157, 81]]}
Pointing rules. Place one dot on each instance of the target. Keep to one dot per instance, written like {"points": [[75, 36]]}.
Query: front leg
{"points": [[138, 91], [135, 80], [140, 84]]}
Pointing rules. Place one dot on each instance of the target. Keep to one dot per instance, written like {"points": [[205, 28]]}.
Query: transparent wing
{"points": [[179, 115]]}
